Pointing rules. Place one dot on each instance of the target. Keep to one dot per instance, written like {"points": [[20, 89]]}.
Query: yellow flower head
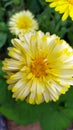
{"points": [[23, 22], [40, 68], [63, 6]]}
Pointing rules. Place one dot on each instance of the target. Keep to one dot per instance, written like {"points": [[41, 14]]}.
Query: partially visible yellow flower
{"points": [[23, 22], [64, 7], [40, 68]]}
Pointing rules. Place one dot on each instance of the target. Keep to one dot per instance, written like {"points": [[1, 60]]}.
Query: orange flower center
{"points": [[39, 67], [70, 1]]}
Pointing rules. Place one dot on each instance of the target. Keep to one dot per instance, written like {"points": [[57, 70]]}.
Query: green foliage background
{"points": [[52, 116]]}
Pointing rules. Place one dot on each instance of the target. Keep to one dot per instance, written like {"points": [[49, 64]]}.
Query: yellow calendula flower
{"points": [[40, 68], [23, 22], [64, 7]]}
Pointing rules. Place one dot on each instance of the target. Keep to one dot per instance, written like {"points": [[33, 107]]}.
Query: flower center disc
{"points": [[70, 1], [39, 67], [23, 23]]}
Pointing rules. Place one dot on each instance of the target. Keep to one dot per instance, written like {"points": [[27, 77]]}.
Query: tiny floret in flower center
{"points": [[39, 67], [70, 1]]}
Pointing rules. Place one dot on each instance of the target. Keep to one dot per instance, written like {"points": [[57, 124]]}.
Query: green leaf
{"points": [[43, 3], [2, 11], [3, 27], [3, 92], [33, 6], [52, 116], [70, 37], [44, 18], [16, 2], [1, 72], [3, 38]]}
